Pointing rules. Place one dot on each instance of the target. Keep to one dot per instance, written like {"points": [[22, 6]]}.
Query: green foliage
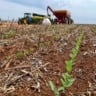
{"points": [[69, 65], [75, 50], [44, 44], [56, 36], [67, 79], [55, 89], [26, 52], [31, 49], [22, 53], [9, 34]]}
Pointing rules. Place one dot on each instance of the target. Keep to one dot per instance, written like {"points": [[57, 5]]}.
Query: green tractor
{"points": [[32, 18], [27, 19]]}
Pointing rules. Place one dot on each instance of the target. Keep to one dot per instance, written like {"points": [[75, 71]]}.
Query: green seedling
{"points": [[56, 36], [26, 52], [69, 63], [44, 44], [9, 34], [22, 53], [31, 49], [55, 89], [67, 79]]}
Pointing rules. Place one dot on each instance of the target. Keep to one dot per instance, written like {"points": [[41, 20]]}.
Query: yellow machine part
{"points": [[25, 21], [39, 17]]}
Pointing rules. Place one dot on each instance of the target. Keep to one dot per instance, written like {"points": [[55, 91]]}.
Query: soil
{"points": [[31, 55]]}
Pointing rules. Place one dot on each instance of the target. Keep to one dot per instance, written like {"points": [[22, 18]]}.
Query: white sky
{"points": [[83, 11]]}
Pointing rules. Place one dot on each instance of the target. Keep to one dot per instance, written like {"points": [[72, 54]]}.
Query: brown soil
{"points": [[35, 54]]}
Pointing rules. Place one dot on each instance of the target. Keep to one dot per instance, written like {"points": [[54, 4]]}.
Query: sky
{"points": [[82, 11]]}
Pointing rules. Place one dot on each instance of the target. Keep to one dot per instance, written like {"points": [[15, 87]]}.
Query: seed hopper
{"points": [[62, 16]]}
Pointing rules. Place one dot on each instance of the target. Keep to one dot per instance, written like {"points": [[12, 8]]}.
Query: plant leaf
{"points": [[69, 68], [69, 82], [52, 85], [64, 76], [69, 62], [61, 88], [62, 81], [69, 65]]}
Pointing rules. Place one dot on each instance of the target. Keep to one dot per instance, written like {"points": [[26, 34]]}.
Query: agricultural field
{"points": [[32, 55]]}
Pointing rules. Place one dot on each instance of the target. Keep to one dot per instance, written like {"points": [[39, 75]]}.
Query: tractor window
{"points": [[27, 14]]}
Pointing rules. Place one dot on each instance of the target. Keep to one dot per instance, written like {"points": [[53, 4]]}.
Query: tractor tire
{"points": [[19, 22], [66, 20], [24, 21], [70, 21]]}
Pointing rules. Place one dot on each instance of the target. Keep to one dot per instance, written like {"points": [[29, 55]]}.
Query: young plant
{"points": [[69, 63], [22, 53], [55, 89], [31, 49], [67, 79], [9, 34]]}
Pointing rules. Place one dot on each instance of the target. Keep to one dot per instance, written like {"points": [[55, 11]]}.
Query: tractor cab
{"points": [[27, 19], [26, 15]]}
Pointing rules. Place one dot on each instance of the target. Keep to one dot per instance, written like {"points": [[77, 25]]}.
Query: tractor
{"points": [[61, 16], [31, 18], [27, 19]]}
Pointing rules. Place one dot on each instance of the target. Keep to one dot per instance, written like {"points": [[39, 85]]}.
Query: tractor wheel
{"points": [[19, 22], [25, 21], [69, 21], [72, 21], [66, 20]]}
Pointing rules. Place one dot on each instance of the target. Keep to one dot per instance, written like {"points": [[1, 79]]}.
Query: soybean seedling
{"points": [[67, 79]]}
